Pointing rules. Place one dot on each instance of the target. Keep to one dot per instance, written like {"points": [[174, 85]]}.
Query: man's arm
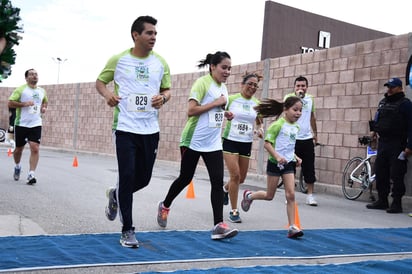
{"points": [[44, 106], [111, 99], [17, 104], [166, 93], [314, 128], [159, 100]]}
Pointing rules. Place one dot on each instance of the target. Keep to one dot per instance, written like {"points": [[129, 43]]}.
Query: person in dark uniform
{"points": [[393, 128]]}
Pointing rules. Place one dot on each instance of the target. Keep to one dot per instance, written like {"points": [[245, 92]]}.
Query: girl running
{"points": [[280, 144]]}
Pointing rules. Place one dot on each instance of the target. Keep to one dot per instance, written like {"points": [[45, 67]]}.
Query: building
{"points": [[288, 31]]}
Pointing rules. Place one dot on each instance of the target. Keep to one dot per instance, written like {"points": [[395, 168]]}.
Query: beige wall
{"points": [[347, 83]]}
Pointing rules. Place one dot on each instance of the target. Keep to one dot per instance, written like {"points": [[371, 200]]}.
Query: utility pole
{"points": [[59, 62]]}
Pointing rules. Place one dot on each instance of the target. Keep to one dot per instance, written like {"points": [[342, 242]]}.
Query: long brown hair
{"points": [[272, 108]]}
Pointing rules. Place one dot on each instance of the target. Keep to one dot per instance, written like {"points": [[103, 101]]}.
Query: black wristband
{"points": [[164, 99]]}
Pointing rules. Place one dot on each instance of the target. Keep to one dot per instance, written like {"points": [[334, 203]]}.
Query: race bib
{"points": [[35, 109], [242, 128], [139, 103], [216, 118]]}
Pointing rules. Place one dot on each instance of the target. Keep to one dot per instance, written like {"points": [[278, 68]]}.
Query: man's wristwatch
{"points": [[164, 99]]}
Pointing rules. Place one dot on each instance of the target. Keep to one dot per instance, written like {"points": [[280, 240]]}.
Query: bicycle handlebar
{"points": [[365, 140]]}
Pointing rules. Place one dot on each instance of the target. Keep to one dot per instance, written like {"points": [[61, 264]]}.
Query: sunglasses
{"points": [[253, 85]]}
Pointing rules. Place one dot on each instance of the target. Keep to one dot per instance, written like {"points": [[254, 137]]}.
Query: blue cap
{"points": [[393, 82]]}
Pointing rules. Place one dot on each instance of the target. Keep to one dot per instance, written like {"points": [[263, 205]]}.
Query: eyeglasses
{"points": [[253, 85]]}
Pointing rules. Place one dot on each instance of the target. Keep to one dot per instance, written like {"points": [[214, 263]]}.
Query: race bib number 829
{"points": [[216, 118], [139, 102]]}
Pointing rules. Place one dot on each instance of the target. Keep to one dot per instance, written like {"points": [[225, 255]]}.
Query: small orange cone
{"points": [[75, 163], [9, 152], [190, 191], [297, 220]]}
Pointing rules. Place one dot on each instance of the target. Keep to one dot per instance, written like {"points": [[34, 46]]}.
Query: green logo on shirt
{"points": [[142, 73]]}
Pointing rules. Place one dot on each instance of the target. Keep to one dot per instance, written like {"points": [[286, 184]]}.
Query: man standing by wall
{"points": [[30, 102], [307, 136], [393, 128]]}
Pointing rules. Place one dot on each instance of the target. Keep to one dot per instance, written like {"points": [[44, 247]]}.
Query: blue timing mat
{"points": [[366, 267], [65, 251]]}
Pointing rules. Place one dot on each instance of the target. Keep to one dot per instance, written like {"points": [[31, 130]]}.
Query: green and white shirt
{"points": [[203, 133], [308, 107], [282, 135], [240, 128], [136, 81], [29, 116]]}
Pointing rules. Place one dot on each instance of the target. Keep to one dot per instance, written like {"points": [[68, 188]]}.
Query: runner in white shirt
{"points": [[238, 137], [141, 87], [30, 102], [201, 137]]}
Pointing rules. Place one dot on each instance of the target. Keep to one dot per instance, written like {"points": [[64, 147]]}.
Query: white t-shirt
{"points": [[282, 135], [203, 132], [29, 116], [308, 107], [136, 81], [240, 128]]}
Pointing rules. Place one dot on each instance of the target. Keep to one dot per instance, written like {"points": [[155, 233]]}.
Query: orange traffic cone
{"points": [[190, 191], [297, 220], [9, 152], [75, 163]]}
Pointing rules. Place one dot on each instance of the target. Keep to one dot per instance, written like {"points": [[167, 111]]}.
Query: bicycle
{"points": [[4, 140], [357, 175], [2, 134]]}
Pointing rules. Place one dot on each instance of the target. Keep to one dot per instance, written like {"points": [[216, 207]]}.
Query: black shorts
{"points": [[234, 147], [272, 169], [24, 134]]}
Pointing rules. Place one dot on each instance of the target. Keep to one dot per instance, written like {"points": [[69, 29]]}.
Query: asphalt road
{"points": [[71, 200]]}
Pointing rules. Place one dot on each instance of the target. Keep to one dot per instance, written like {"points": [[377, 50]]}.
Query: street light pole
{"points": [[59, 61]]}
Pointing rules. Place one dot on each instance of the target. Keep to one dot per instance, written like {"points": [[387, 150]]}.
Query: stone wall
{"points": [[347, 83]]}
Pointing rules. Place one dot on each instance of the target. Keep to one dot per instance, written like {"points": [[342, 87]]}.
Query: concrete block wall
{"points": [[347, 83]]}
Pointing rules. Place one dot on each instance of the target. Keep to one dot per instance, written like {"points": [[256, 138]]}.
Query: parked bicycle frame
{"points": [[357, 175]]}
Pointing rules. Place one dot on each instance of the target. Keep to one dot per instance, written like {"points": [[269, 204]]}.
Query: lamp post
{"points": [[59, 61]]}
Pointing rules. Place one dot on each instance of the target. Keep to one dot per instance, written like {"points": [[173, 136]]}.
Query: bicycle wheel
{"points": [[352, 178], [2, 135], [302, 185]]}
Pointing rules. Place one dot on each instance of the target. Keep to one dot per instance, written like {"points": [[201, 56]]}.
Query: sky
{"points": [[84, 34]]}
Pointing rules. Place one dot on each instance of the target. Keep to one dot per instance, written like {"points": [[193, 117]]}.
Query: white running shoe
{"points": [[128, 239], [310, 200]]}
